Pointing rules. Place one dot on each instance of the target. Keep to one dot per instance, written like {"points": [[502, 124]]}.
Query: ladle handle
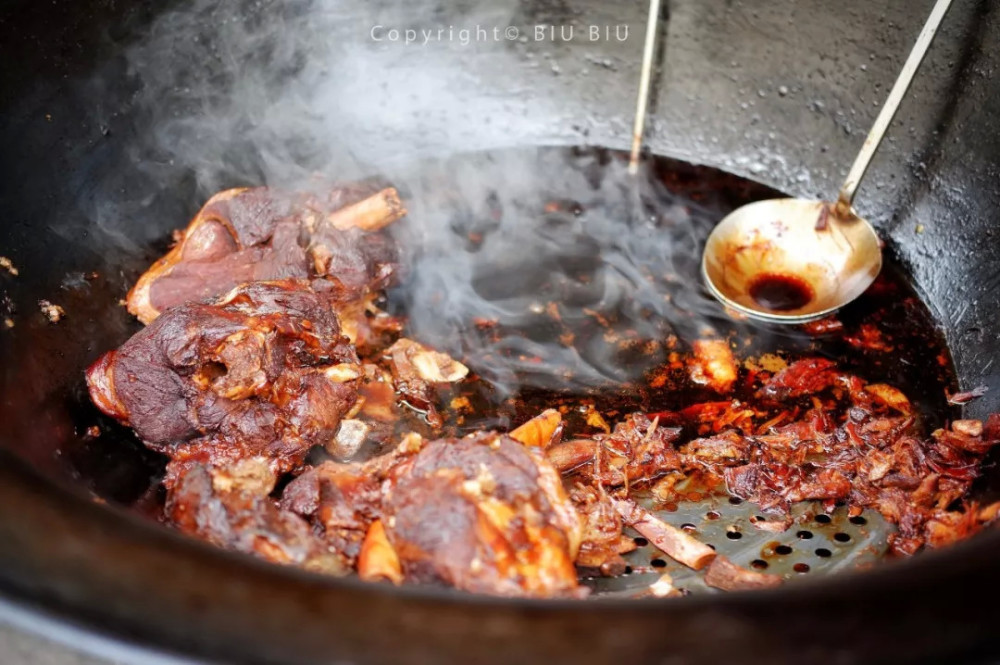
{"points": [[645, 75], [885, 116]]}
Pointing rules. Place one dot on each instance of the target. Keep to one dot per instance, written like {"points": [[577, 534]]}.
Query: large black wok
{"points": [[116, 119]]}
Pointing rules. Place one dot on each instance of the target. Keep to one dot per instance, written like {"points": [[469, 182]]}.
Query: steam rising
{"points": [[537, 267], [585, 270], [254, 91]]}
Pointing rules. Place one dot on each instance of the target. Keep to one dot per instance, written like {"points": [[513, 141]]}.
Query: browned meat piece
{"points": [[638, 450], [483, 513], [827, 484], [711, 417], [803, 377], [966, 396], [245, 235], [889, 396], [602, 531], [726, 449], [714, 365], [869, 338], [567, 456], [263, 371], [416, 370], [810, 432], [223, 246], [229, 507], [774, 485], [342, 500]]}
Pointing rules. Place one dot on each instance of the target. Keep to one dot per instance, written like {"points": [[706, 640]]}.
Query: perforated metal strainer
{"points": [[816, 543]]}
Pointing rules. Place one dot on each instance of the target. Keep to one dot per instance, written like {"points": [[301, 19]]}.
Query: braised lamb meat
{"points": [[340, 500], [260, 234], [481, 513], [230, 507], [602, 543], [416, 369], [262, 371], [637, 450]]}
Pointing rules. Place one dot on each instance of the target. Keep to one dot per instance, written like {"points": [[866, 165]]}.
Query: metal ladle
{"points": [[796, 260]]}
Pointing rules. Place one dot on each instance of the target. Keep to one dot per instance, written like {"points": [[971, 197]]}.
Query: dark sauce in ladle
{"points": [[780, 293]]}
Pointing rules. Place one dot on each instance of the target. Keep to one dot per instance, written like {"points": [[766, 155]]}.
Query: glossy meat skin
{"points": [[263, 371], [482, 513], [261, 234], [230, 507]]}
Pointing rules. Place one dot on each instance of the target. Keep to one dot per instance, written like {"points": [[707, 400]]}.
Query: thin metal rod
{"points": [[888, 111], [642, 103]]}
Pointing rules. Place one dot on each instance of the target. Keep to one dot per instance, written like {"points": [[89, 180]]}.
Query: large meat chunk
{"points": [[262, 371], [483, 513], [260, 234]]}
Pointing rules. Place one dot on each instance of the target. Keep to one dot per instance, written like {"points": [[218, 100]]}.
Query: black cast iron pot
{"points": [[116, 119]]}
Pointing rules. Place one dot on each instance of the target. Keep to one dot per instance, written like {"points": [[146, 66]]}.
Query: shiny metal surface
{"points": [[807, 548], [838, 258]]}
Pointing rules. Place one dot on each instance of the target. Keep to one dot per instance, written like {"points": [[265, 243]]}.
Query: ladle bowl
{"points": [[808, 260]]}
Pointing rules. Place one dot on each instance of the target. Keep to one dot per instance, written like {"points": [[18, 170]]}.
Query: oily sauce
{"points": [[547, 321], [780, 293]]}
